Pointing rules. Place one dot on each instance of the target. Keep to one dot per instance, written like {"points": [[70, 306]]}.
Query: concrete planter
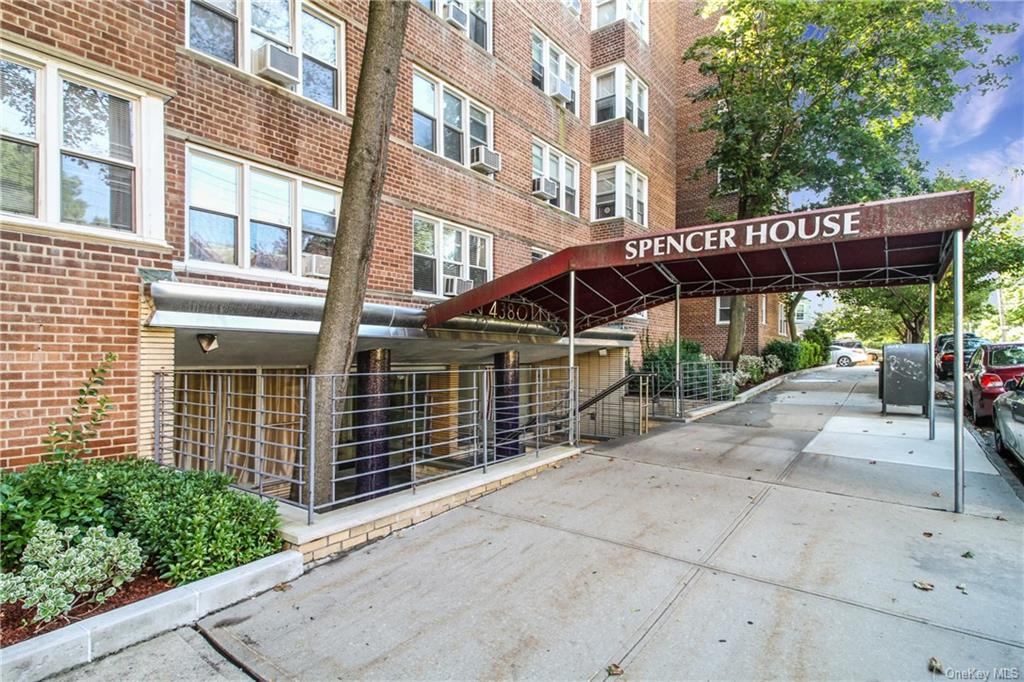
{"points": [[112, 631], [746, 395]]}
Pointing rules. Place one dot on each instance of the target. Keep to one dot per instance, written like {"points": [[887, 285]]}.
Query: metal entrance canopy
{"points": [[882, 243], [910, 240]]}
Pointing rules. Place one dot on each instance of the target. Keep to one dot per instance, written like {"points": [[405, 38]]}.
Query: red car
{"points": [[989, 368]]}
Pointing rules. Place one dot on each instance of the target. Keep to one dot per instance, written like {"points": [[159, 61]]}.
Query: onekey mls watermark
{"points": [[984, 674]]}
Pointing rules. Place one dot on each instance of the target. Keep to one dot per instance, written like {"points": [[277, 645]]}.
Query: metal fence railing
{"points": [[389, 431], [622, 408], [699, 384]]}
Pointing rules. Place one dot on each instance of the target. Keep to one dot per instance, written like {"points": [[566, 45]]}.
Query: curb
{"points": [[95, 637], [750, 393]]}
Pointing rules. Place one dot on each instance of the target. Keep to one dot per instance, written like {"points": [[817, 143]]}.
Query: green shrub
{"points": [[772, 364], [71, 439], [65, 493], [191, 524], [818, 335], [787, 352], [749, 369], [61, 570], [660, 358]]}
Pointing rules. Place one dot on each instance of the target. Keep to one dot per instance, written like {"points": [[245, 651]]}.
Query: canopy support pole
{"points": [[573, 388], [958, 372], [931, 359], [678, 391]]}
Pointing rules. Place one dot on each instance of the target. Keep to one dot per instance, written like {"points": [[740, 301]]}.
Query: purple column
{"points": [[371, 419], [507, 437]]}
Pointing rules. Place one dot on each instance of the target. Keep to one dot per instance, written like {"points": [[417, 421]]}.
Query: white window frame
{"points": [[640, 92], [783, 327], [243, 57], [563, 60], [621, 170], [441, 87], [147, 135], [242, 199], [537, 253], [802, 309], [719, 308], [575, 7], [565, 162], [623, 11], [437, 8], [439, 225], [764, 309]]}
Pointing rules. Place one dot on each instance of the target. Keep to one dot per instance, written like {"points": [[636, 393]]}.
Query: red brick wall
{"points": [[68, 300]]}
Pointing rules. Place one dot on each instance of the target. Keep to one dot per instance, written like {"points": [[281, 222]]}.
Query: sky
{"points": [[983, 137]]}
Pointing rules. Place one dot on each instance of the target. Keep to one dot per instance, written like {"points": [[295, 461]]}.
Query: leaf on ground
{"points": [[967, 555], [615, 669], [962, 587], [935, 666], [282, 587], [1000, 517], [936, 493], [872, 461], [926, 534], [924, 585]]}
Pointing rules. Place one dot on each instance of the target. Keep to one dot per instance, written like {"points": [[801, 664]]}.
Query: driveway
{"points": [[777, 539]]}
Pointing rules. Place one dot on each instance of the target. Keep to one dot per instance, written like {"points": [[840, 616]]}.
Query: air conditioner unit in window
{"points": [[605, 210], [545, 188], [453, 286], [485, 160], [455, 15], [314, 265], [560, 90], [276, 64]]}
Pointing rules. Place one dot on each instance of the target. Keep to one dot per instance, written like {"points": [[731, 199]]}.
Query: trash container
{"points": [[903, 375]]}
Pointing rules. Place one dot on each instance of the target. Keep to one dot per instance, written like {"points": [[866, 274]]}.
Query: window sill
{"points": [[252, 274], [338, 113], [598, 221], [88, 232]]}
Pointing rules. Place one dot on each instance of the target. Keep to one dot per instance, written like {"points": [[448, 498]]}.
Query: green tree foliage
{"points": [[823, 96]]}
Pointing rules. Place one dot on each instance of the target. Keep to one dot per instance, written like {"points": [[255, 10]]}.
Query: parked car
{"points": [[944, 358], [988, 370], [873, 353], [845, 357], [1008, 418], [941, 339]]}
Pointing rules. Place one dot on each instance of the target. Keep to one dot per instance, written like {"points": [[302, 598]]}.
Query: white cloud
{"points": [[969, 119], [999, 166]]}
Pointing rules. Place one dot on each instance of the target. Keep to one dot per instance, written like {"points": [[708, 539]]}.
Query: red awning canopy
{"points": [[882, 243]]}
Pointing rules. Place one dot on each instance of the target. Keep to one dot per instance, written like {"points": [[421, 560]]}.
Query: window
{"points": [[620, 191], [722, 309], [725, 180], [434, 101], [802, 310], [574, 6], [764, 309], [317, 40], [470, 17], [551, 163], [244, 215], [537, 254], [618, 92], [783, 326], [633, 11], [70, 147], [550, 65], [446, 255]]}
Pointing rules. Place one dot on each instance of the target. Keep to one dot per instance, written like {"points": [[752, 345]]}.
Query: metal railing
{"points": [[700, 383], [623, 408], [389, 431]]}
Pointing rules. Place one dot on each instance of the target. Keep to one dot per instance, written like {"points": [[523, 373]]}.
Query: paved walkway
{"points": [[776, 540]]}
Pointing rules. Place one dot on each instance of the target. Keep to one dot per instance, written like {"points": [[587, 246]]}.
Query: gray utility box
{"points": [[903, 376]]}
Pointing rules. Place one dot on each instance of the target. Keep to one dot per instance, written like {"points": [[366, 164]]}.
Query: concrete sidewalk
{"points": [[779, 539]]}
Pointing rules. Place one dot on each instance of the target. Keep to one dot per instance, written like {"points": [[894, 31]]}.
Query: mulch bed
{"points": [[16, 623]]}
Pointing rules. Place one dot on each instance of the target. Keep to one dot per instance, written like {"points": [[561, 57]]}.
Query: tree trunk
{"points": [[353, 244], [737, 328], [792, 301]]}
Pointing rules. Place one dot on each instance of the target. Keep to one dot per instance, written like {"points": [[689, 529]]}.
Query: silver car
{"points": [[1008, 419], [845, 357]]}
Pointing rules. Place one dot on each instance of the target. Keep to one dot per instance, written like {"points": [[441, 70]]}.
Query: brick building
{"points": [[164, 177]]}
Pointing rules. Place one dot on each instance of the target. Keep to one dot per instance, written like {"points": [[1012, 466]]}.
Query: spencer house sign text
{"points": [[782, 231]]}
